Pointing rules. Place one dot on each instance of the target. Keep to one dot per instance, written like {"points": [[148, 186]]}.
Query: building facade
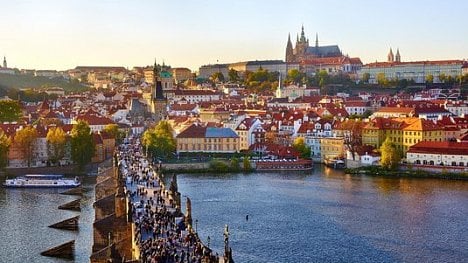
{"points": [[198, 138]]}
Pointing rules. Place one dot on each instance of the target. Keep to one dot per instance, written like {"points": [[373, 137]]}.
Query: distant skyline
{"points": [[61, 35]]}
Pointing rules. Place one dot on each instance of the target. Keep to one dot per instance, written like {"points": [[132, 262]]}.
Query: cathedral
{"points": [[303, 51]]}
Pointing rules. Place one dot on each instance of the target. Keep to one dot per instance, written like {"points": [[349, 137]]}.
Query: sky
{"points": [[62, 34]]}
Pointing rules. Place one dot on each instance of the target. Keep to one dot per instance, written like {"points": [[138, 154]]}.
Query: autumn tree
{"points": [[10, 110], [300, 146], [390, 156], [246, 164], [352, 132], [160, 141], [113, 130], [217, 77], [5, 143], [381, 79], [233, 75], [294, 76], [82, 144], [430, 79], [56, 143], [25, 139], [365, 77]]}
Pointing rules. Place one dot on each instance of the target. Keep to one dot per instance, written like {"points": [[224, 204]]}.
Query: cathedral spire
{"points": [[390, 57], [397, 56], [303, 39], [289, 50]]}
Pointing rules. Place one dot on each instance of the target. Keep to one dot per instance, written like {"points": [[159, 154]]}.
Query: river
{"points": [[319, 216], [326, 216], [25, 215]]}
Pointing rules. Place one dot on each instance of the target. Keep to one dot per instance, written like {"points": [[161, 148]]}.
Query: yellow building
{"points": [[197, 138], [331, 147], [403, 132]]}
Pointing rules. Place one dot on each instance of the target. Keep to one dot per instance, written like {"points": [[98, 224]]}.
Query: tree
{"points": [[233, 75], [10, 110], [429, 79], [56, 142], [82, 144], [5, 143], [390, 157], [366, 77], [442, 77], [114, 132], [352, 135], [246, 164], [381, 79], [217, 77], [234, 164], [294, 76], [25, 139], [160, 140], [322, 77], [300, 146]]}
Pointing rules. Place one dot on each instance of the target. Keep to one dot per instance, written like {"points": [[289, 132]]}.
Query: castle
{"points": [[302, 51]]}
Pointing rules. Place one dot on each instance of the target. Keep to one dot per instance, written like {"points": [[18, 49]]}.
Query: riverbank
{"points": [[214, 166], [380, 171]]}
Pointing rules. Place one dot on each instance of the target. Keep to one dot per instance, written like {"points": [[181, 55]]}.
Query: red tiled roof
{"points": [[433, 62], [454, 148], [193, 131]]}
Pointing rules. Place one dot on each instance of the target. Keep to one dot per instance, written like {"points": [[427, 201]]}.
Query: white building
{"points": [[442, 154]]}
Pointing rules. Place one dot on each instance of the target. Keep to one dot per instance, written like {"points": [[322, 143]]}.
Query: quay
{"points": [[139, 219]]}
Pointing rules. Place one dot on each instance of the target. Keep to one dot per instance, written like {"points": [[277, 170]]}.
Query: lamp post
{"points": [[196, 226], [209, 241]]}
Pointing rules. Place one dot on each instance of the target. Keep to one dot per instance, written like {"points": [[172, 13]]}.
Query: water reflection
{"points": [[328, 216]]}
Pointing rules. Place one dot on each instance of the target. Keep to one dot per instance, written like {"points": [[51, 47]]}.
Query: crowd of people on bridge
{"points": [[160, 230]]}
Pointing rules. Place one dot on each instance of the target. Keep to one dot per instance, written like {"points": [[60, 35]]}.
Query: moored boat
{"points": [[42, 180], [284, 165]]}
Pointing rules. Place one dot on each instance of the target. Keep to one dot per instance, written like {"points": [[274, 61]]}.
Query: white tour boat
{"points": [[42, 180]]}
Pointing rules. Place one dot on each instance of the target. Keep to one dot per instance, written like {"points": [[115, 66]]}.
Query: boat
{"points": [[335, 163], [284, 165], [42, 180]]}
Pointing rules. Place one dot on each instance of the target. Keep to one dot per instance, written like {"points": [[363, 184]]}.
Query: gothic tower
{"points": [[4, 62], [301, 45], [397, 56], [390, 57], [159, 101], [289, 50]]}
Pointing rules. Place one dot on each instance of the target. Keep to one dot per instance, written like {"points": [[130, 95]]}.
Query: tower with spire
{"points": [[390, 56], [159, 100], [289, 50], [397, 56], [5, 65]]}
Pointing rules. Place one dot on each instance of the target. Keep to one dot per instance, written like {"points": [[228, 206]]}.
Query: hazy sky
{"points": [[64, 33]]}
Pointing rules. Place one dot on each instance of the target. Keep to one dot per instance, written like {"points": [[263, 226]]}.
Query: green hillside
{"points": [[8, 82]]}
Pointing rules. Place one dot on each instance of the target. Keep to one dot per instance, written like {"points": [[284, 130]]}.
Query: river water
{"points": [[25, 215], [326, 216], [319, 216]]}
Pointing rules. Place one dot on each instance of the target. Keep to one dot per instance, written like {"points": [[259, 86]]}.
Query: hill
{"points": [[8, 82]]}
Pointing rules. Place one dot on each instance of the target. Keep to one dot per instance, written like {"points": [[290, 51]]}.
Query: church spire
{"points": [[397, 56], [316, 39], [390, 57], [4, 62], [303, 39], [289, 49]]}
